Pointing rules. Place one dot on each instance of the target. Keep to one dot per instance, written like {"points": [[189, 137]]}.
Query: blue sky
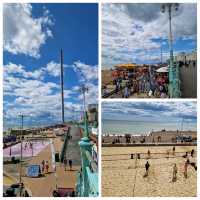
{"points": [[150, 111], [134, 33], [33, 37]]}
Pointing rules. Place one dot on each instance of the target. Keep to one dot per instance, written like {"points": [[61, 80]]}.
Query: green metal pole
{"points": [[85, 145]]}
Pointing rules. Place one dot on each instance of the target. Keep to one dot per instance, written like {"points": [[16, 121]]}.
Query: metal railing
{"points": [[64, 147]]}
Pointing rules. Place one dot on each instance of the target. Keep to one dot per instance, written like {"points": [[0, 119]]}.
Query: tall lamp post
{"points": [[174, 81], [62, 86], [84, 89], [20, 172], [85, 146]]}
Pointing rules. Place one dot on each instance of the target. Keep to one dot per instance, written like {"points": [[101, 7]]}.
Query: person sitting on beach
{"points": [[147, 165], [175, 170]]}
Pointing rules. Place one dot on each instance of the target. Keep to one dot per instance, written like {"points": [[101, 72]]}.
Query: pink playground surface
{"points": [[37, 147]]}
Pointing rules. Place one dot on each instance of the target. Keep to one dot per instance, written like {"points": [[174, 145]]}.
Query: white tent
{"points": [[163, 70]]}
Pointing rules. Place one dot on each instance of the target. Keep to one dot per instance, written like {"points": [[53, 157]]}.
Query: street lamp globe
{"points": [[163, 8]]}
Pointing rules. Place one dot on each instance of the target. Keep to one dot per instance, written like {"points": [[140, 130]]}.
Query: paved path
{"points": [[44, 186], [73, 149], [68, 178]]}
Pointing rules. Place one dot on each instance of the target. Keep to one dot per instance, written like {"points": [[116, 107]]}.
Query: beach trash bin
{"points": [[57, 157]]}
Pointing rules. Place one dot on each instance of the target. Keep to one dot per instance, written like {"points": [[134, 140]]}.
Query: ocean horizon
{"points": [[120, 127]]}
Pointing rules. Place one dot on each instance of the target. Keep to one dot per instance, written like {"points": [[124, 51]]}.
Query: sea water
{"points": [[120, 127]]}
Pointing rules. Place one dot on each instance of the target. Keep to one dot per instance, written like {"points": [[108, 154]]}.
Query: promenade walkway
{"points": [[45, 185]]}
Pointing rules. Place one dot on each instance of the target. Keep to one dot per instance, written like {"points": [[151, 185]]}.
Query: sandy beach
{"points": [[123, 176]]}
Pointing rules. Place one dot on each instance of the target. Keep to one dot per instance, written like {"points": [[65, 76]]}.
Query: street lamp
{"points": [[174, 81], [84, 89], [20, 172]]}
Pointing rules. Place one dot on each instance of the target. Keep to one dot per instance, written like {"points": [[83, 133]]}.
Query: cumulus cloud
{"points": [[134, 32], [30, 93], [53, 68], [24, 33], [86, 72], [150, 111], [12, 68]]}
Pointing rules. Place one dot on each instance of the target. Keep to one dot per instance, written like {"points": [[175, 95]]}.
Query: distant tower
{"points": [[62, 85]]}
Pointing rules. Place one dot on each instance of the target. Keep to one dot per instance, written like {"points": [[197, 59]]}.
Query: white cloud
{"points": [[86, 72], [29, 93], [12, 68], [53, 68], [156, 111], [129, 29], [23, 33]]}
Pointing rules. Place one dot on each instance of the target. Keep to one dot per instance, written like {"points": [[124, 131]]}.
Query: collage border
{"points": [[100, 100]]}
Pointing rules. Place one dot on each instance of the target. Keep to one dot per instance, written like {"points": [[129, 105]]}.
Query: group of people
{"points": [[65, 162], [30, 144], [45, 166], [148, 84], [174, 168]]}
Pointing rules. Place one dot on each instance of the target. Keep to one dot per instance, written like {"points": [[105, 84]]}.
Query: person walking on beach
{"points": [[25, 146], [126, 92], [65, 163], [175, 170], [147, 165], [192, 153], [173, 150], [43, 166], [187, 162], [10, 151], [47, 167], [167, 154], [70, 164], [149, 154]]}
